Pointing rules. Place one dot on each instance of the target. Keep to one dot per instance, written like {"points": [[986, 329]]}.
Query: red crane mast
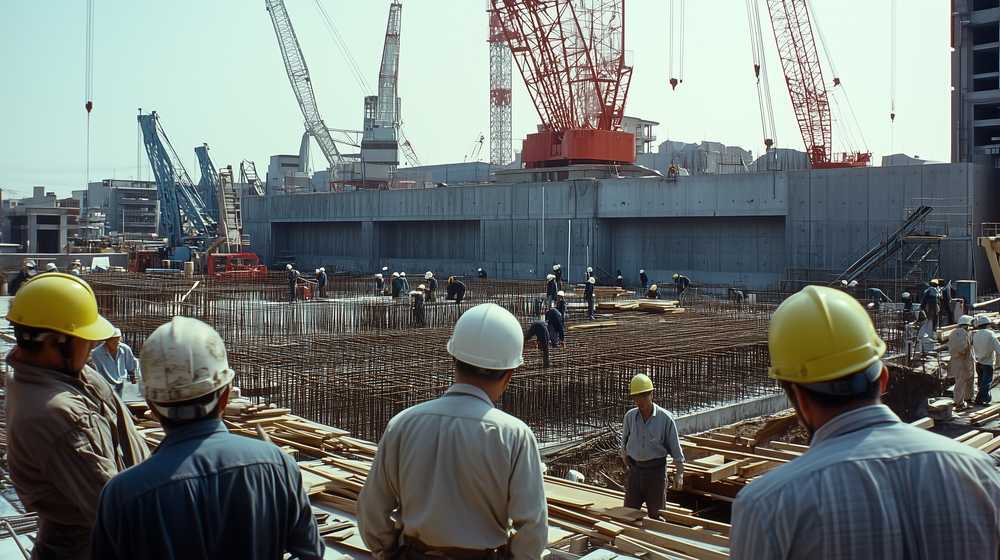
{"points": [[571, 54], [800, 60]]}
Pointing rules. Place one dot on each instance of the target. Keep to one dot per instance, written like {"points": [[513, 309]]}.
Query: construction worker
{"points": [[737, 296], [50, 267], [590, 272], [985, 349], [876, 298], [27, 272], [620, 280], [455, 477], [871, 486], [321, 281], [653, 292], [205, 493], [76, 268], [962, 365], [643, 279], [432, 286], [417, 305], [947, 295], [649, 434], [115, 361], [397, 285], [681, 284], [456, 290], [379, 285], [482, 274], [539, 330], [67, 434], [551, 289], [561, 302], [907, 300], [930, 303], [588, 296], [406, 283], [557, 271], [556, 325], [293, 281]]}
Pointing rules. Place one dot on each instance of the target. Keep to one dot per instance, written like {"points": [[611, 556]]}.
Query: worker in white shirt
{"points": [[985, 348], [456, 477], [961, 365], [115, 361]]}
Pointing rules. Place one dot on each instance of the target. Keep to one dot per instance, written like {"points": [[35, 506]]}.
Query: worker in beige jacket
{"points": [[962, 365], [67, 433]]}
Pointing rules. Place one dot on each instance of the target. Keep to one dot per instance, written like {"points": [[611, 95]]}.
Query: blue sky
{"points": [[213, 71]]}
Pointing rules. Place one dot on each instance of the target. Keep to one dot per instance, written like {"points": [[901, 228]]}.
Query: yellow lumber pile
{"points": [[659, 306], [592, 325], [617, 306]]}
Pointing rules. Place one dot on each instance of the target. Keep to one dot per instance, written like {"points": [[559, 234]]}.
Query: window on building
{"points": [[290, 165], [987, 135], [985, 4], [984, 34], [985, 61], [985, 84], [985, 111], [47, 220]]}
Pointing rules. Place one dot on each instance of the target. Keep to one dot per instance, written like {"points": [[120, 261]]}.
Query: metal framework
{"points": [[800, 60], [571, 54], [388, 74], [180, 204], [248, 176], [501, 81], [298, 76], [208, 185]]}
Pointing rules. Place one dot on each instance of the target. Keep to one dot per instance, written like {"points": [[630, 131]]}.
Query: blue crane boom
{"points": [[208, 185]]}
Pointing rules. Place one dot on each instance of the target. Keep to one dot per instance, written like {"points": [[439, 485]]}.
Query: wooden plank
{"points": [[967, 435], [925, 423], [759, 451], [991, 445], [757, 468], [703, 450], [338, 502], [691, 521], [979, 439], [632, 546], [671, 543], [726, 470], [608, 529], [790, 447], [686, 532]]}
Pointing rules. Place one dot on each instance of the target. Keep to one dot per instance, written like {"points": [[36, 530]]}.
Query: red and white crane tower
{"points": [[501, 74], [571, 54]]}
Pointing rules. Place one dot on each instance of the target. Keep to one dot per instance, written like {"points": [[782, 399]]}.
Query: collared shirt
{"points": [[115, 368], [67, 436], [207, 494], [456, 472], [985, 346], [654, 438], [872, 487]]}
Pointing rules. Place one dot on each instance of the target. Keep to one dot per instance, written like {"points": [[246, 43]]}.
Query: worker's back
{"points": [[872, 487], [207, 494]]}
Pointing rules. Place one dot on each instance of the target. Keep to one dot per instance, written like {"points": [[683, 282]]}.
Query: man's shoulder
{"points": [[485, 412]]}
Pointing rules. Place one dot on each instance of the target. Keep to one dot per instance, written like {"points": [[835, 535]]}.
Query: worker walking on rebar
{"points": [[292, 276], [321, 281], [986, 349], [539, 330], [417, 305], [962, 363], [205, 493], [654, 292], [406, 283], [397, 285], [379, 285], [432, 286], [870, 486], [482, 274], [681, 284], [588, 296], [115, 361], [27, 272], [643, 279], [557, 327], [930, 304], [456, 477], [456, 290], [67, 433], [551, 289], [649, 435], [620, 280]]}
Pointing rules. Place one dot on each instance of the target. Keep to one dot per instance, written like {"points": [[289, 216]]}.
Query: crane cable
{"points": [[760, 74], [88, 79], [892, 76], [345, 50], [675, 38]]}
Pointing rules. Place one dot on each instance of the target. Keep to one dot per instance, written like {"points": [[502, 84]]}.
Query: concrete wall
{"points": [[746, 229]]}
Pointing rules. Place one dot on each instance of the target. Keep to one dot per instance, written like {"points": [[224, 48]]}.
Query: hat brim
{"points": [[101, 329]]}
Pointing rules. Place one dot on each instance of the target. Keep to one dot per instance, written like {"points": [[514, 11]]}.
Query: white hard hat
{"points": [[843, 282], [556, 266], [395, 275], [654, 287], [905, 295], [322, 269], [489, 337], [317, 271], [378, 276], [590, 269], [982, 320], [479, 270], [183, 360], [29, 264], [965, 320], [428, 275], [619, 276], [403, 274], [560, 293], [642, 271], [550, 277], [288, 266], [51, 266], [592, 280], [117, 333], [384, 268], [422, 287], [77, 261], [852, 284]]}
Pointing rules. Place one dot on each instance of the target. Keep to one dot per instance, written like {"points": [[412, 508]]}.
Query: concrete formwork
{"points": [[743, 229]]}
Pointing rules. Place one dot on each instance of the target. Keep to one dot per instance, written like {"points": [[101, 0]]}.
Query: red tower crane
{"points": [[800, 60], [571, 55]]}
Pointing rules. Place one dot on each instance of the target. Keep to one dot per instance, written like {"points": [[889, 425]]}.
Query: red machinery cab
{"points": [[236, 266]]}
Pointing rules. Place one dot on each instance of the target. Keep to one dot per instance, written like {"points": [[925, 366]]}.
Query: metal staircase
{"points": [[885, 250], [230, 219]]}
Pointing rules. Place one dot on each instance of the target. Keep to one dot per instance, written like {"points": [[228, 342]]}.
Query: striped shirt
{"points": [[872, 487]]}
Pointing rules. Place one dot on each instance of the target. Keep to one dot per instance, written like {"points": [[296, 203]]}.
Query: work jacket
{"points": [[588, 292], [67, 437]]}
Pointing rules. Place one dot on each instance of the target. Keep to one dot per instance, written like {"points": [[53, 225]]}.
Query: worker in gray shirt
{"points": [[870, 486], [648, 436], [455, 477]]}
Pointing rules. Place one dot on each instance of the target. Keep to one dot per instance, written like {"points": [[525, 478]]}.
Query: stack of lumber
{"points": [[592, 325], [581, 517], [617, 306], [983, 415], [604, 292], [659, 306]]}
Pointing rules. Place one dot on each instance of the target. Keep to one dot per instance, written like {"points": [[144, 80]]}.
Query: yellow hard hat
{"points": [[640, 384], [58, 302], [821, 334]]}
